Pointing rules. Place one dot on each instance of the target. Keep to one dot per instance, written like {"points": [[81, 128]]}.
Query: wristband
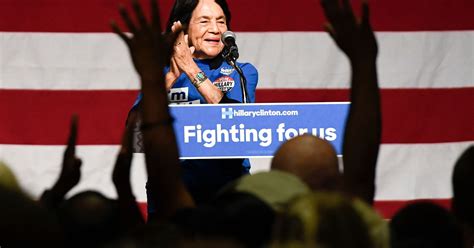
{"points": [[199, 78]]}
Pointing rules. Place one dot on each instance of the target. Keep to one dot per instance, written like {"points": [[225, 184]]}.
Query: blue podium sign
{"points": [[253, 130]]}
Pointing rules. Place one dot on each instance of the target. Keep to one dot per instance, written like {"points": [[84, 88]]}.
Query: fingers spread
{"points": [[346, 7], [126, 18], [119, 32], [155, 16], [331, 9], [330, 29], [139, 14], [365, 14]]}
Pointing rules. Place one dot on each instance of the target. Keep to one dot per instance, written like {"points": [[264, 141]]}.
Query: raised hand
{"points": [[130, 215], [363, 126], [182, 52], [182, 55], [149, 48], [71, 165], [150, 52], [355, 38], [70, 172]]}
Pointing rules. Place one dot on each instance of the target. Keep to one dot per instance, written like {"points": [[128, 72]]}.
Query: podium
{"points": [[213, 131]]}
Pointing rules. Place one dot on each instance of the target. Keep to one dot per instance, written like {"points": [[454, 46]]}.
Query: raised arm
{"points": [[70, 171], [130, 216], [149, 51], [363, 128]]}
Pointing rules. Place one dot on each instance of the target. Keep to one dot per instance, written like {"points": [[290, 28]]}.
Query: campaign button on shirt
{"points": [[224, 83], [226, 71]]}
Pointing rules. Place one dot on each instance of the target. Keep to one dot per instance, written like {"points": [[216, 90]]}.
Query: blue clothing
{"points": [[204, 177], [223, 76]]}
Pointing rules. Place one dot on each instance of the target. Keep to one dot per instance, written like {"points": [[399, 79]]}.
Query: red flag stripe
{"points": [[249, 15], [409, 115], [41, 117], [389, 208]]}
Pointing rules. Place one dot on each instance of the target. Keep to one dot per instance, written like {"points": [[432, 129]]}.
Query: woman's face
{"points": [[207, 24]]}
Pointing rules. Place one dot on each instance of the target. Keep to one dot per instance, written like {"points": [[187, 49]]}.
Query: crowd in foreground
{"points": [[303, 201]]}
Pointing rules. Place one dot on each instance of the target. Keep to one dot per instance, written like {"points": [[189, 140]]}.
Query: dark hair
{"points": [[463, 200], [89, 219], [24, 223], [424, 224], [237, 216], [183, 9]]}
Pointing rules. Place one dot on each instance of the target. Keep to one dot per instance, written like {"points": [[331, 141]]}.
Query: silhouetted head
{"points": [[8, 179], [275, 188], [312, 159], [89, 219], [151, 235], [252, 219], [463, 185], [234, 216], [24, 223], [321, 219], [424, 224]]}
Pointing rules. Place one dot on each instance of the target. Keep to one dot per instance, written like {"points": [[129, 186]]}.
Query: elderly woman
{"points": [[198, 74]]}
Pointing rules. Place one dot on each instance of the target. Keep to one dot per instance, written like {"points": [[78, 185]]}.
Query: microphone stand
{"points": [[231, 59]]}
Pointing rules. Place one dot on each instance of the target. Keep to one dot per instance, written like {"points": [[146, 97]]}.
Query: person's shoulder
{"points": [[247, 67], [246, 64]]}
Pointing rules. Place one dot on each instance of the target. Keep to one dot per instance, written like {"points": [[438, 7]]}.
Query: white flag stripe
{"points": [[284, 60], [417, 171], [65, 61], [404, 172], [37, 168]]}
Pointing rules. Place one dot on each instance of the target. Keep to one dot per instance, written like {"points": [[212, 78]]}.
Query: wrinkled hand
{"points": [[172, 75], [355, 38], [149, 48], [71, 166], [182, 52], [182, 57]]}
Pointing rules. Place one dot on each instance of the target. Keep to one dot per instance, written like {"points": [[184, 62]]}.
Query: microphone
{"points": [[228, 38], [231, 54]]}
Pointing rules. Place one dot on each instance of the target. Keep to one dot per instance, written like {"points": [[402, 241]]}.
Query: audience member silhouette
{"points": [[426, 225], [246, 213], [321, 220], [463, 194]]}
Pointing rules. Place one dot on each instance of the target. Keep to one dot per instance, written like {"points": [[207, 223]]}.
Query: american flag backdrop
{"points": [[59, 57]]}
